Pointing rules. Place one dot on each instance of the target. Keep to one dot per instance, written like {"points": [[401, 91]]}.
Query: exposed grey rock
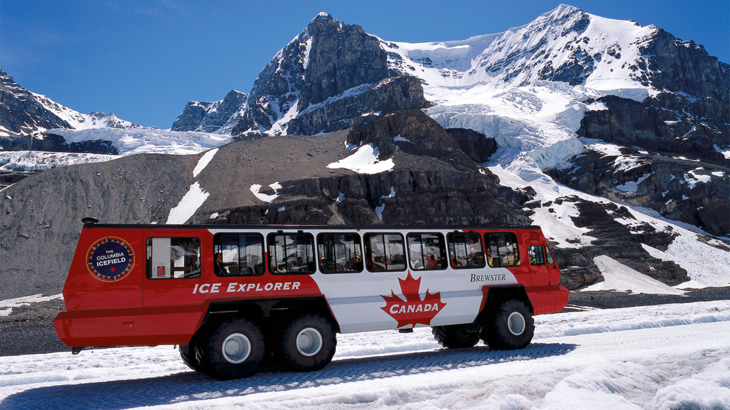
{"points": [[615, 240], [676, 65], [205, 116], [668, 123], [333, 72], [475, 144], [40, 215], [390, 95], [423, 136], [21, 113], [276, 89], [342, 57], [421, 198], [695, 192]]}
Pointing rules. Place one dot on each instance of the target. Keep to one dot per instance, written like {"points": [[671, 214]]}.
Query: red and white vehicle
{"points": [[232, 295]]}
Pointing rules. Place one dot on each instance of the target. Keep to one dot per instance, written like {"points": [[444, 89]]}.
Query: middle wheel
{"points": [[308, 343]]}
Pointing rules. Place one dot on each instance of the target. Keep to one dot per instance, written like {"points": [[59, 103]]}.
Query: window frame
{"points": [[370, 262], [357, 242], [549, 258], [311, 265], [218, 248], [149, 256], [542, 253], [488, 247], [442, 263], [452, 249]]}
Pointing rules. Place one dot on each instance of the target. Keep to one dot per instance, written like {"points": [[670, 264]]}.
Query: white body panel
{"points": [[357, 299]]}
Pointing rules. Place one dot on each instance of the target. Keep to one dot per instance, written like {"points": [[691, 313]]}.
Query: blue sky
{"points": [[144, 60]]}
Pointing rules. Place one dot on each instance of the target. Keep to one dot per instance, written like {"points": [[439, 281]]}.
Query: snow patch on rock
{"points": [[189, 203], [364, 161]]}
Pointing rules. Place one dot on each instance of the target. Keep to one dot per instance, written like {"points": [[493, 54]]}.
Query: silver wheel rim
{"points": [[236, 348], [516, 323], [309, 341]]}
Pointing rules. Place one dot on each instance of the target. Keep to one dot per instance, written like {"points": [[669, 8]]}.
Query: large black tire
{"points": [[308, 343], [456, 336], [189, 354], [232, 350], [509, 327]]}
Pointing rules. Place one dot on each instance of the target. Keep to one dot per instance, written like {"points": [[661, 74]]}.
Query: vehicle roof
{"points": [[305, 227]]}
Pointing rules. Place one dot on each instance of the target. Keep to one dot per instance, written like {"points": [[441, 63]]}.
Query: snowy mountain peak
{"points": [[322, 16], [27, 113], [561, 10], [564, 45]]}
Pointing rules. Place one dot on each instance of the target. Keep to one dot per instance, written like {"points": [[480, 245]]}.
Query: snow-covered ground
{"points": [[134, 141], [658, 357], [36, 161]]}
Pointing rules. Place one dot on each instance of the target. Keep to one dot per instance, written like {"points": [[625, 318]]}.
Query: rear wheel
{"points": [[456, 336], [233, 350], [510, 327], [308, 343], [190, 356]]}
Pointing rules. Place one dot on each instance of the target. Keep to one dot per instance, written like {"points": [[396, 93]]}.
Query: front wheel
{"points": [[234, 349], [456, 336], [510, 327], [308, 343]]}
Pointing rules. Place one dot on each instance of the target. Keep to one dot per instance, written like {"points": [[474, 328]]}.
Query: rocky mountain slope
{"points": [[218, 117], [25, 116], [330, 73]]}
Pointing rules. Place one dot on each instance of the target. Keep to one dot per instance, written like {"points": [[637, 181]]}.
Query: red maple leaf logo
{"points": [[413, 310]]}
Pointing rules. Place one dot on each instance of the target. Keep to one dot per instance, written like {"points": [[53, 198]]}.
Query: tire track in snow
{"points": [[191, 386]]}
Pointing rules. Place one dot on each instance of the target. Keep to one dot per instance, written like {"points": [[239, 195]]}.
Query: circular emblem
{"points": [[110, 259]]}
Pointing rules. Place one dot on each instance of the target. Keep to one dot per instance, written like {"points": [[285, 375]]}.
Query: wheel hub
{"points": [[516, 323], [309, 341], [236, 348]]}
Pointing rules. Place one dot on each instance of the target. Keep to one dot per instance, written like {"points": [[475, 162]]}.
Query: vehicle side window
{"points": [[465, 250], [173, 258], [384, 252], [291, 253], [549, 256], [426, 251], [536, 255], [339, 253], [238, 254], [502, 249]]}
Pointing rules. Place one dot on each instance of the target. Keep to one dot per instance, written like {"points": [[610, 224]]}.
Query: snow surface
{"points": [[35, 161], [692, 178], [9, 304], [724, 152], [81, 121], [204, 161], [189, 203], [147, 140], [662, 357], [265, 197], [632, 186], [364, 161], [621, 278]]}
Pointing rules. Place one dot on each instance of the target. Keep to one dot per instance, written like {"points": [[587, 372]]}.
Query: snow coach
{"points": [[232, 296]]}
